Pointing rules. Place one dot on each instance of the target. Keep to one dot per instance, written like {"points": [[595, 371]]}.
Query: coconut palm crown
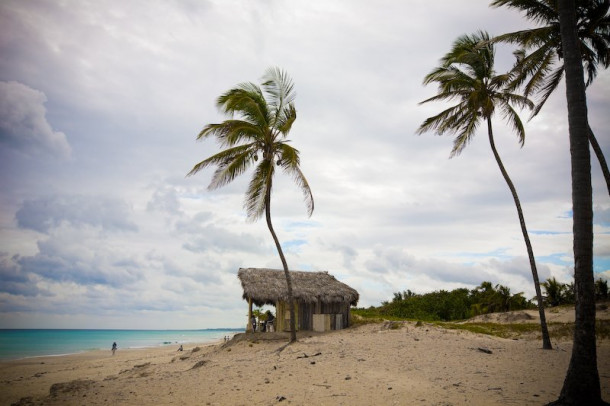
{"points": [[541, 70], [466, 75], [265, 118]]}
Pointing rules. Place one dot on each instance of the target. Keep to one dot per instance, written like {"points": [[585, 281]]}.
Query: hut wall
{"points": [[304, 315], [306, 312], [337, 308], [283, 316]]}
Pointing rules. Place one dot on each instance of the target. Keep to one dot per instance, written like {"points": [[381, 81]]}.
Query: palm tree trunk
{"points": [[293, 332], [600, 157], [546, 340], [581, 385]]}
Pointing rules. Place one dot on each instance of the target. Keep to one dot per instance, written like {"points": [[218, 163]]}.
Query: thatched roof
{"points": [[267, 286]]}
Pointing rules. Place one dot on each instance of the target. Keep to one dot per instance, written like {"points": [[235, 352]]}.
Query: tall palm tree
{"points": [[466, 74], [542, 69], [265, 118], [581, 385]]}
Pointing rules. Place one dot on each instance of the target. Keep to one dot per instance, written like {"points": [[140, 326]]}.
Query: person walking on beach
{"points": [[114, 347]]}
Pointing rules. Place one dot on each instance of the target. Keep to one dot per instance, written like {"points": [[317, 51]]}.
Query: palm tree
{"points": [[503, 297], [555, 291], [581, 385], [466, 73], [265, 118], [541, 70]]}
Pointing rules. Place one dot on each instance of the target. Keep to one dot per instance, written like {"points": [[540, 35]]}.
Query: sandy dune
{"points": [[381, 364]]}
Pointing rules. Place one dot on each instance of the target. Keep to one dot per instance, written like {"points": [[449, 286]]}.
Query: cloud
{"points": [[13, 281], [59, 262], [207, 237], [23, 123], [43, 214], [117, 234], [601, 216]]}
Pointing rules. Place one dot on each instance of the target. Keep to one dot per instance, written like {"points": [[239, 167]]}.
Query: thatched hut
{"points": [[321, 302]]}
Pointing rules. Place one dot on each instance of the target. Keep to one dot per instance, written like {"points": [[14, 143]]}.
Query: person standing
{"points": [[114, 347]]}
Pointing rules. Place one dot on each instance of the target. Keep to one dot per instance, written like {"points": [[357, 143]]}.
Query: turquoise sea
{"points": [[16, 344]]}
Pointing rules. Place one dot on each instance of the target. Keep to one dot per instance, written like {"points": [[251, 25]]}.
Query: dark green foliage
{"points": [[601, 289], [460, 304], [557, 293], [443, 305]]}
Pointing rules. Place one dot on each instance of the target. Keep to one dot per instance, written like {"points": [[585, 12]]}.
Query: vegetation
{"points": [[462, 303], [467, 74], [266, 116], [514, 330], [442, 305], [558, 293]]}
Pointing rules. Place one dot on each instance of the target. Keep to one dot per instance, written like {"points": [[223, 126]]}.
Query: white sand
{"points": [[367, 365]]}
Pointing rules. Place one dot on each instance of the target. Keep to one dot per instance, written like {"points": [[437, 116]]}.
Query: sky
{"points": [[100, 105]]}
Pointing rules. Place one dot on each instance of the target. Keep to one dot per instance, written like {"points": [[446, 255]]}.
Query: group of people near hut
{"points": [[263, 325]]}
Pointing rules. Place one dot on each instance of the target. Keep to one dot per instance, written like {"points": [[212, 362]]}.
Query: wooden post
{"points": [[248, 324]]}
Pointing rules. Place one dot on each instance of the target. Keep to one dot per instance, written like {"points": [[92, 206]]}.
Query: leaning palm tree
{"points": [[540, 67], [265, 118], [466, 74]]}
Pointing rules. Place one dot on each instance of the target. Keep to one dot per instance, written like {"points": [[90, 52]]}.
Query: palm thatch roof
{"points": [[268, 286]]}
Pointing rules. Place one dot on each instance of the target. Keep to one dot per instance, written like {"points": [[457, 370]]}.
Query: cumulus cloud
{"points": [[23, 122], [81, 264], [118, 229], [13, 280], [208, 237], [42, 214]]}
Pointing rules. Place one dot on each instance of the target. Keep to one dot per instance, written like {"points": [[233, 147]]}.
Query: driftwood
{"points": [[307, 356]]}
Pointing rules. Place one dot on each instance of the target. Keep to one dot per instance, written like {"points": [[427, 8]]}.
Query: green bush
{"points": [[442, 305]]}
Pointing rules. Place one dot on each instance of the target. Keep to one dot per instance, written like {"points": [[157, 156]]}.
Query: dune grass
{"points": [[516, 330], [504, 330]]}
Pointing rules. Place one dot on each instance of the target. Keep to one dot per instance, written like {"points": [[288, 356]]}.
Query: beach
{"points": [[391, 363]]}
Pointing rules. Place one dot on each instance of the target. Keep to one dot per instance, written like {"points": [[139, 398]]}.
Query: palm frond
{"points": [[539, 11], [279, 87], [537, 66], [550, 84], [238, 164], [258, 188], [465, 135], [530, 38], [231, 132], [248, 101], [448, 120], [289, 163], [230, 163], [514, 121], [301, 182], [287, 117]]}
